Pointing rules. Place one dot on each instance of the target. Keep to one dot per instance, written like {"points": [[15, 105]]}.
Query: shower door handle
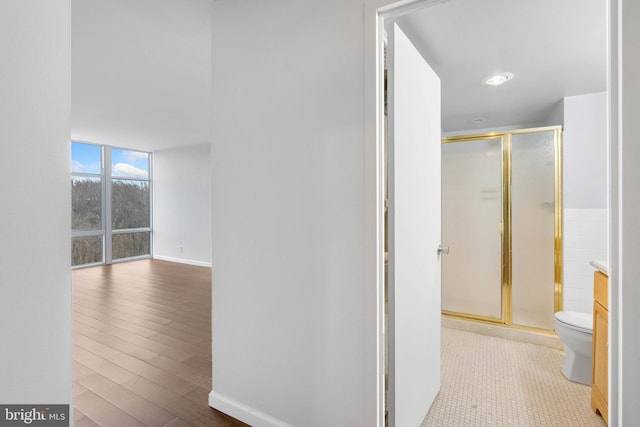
{"points": [[443, 250]]}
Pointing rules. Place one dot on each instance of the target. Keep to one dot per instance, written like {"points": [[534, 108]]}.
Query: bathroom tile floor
{"points": [[491, 381]]}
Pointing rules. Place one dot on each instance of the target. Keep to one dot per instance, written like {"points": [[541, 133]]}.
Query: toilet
{"points": [[576, 332]]}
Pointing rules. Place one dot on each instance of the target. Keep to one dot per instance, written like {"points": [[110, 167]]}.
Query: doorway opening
{"points": [[397, 13]]}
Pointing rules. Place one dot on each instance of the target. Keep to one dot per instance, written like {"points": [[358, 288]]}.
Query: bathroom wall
{"points": [[556, 118], [585, 238], [584, 195]]}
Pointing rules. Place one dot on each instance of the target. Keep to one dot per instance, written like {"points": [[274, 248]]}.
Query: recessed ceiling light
{"points": [[497, 79]]}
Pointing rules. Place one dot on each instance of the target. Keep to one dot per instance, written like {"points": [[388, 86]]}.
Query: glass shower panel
{"points": [[533, 228], [471, 217]]}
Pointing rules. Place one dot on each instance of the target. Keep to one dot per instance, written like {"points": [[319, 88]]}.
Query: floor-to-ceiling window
{"points": [[111, 204], [87, 212]]}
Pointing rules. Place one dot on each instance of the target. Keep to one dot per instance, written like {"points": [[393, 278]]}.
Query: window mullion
{"points": [[150, 205], [131, 230], [108, 246]]}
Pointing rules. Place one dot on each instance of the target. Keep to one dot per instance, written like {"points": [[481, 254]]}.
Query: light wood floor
{"points": [[142, 346]]}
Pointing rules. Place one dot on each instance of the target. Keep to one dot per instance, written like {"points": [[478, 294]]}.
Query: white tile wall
{"points": [[584, 239]]}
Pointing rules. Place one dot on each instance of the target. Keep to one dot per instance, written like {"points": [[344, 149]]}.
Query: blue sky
{"points": [[86, 158], [129, 164]]}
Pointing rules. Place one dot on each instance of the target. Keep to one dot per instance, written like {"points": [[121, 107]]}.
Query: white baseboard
{"points": [[243, 412], [182, 261]]}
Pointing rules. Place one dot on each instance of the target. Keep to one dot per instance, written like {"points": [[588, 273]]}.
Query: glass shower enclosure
{"points": [[501, 210]]}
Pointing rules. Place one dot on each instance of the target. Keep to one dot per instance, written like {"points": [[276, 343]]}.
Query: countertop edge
{"points": [[600, 266]]}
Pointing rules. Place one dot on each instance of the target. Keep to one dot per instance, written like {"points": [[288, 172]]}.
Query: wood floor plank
{"points": [[195, 348], [177, 422], [127, 401], [173, 352], [181, 370], [142, 345], [78, 388], [79, 370], [81, 420], [88, 359], [127, 342], [125, 347], [102, 366], [89, 344], [188, 329], [196, 413], [159, 376], [113, 326], [182, 335], [151, 391], [199, 395], [107, 311], [199, 362], [103, 412], [167, 306]]}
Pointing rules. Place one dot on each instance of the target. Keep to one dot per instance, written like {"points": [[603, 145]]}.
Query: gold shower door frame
{"points": [[505, 225]]}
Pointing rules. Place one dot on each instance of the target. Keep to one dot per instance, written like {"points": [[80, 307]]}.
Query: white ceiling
{"points": [[555, 48], [141, 72], [141, 69]]}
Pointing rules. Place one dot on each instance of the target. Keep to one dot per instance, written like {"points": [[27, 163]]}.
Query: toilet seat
{"points": [[572, 319]]}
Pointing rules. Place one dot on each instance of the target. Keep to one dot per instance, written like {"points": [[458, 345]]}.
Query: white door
{"points": [[413, 90]]}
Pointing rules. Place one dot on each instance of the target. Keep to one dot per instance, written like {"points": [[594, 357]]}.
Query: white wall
{"points": [[288, 214], [624, 316], [585, 151], [556, 118], [35, 254], [584, 196], [182, 205], [585, 238]]}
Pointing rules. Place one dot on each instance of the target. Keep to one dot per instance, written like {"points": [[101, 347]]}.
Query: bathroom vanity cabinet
{"points": [[599, 390]]}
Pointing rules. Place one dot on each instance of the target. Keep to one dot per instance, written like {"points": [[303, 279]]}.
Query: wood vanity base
{"points": [[599, 386]]}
